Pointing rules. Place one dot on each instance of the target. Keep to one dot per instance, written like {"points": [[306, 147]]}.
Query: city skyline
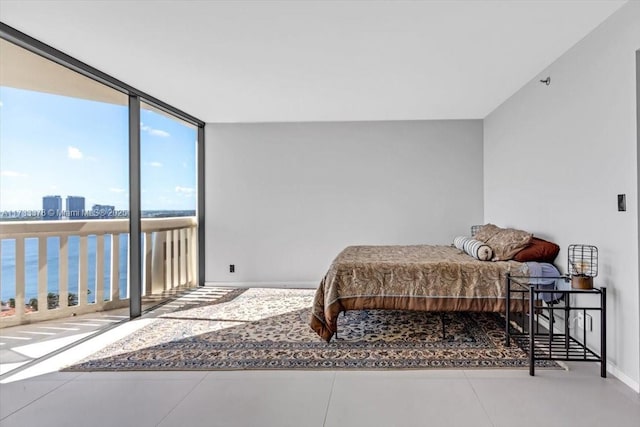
{"points": [[57, 145], [75, 209], [52, 209]]}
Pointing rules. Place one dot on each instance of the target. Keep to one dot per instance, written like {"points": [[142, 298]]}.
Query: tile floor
{"points": [[578, 397], [42, 396]]}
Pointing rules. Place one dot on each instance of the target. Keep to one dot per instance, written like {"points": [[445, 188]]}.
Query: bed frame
{"points": [[420, 278]]}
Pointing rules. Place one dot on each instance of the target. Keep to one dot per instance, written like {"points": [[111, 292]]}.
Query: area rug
{"points": [[269, 329]]}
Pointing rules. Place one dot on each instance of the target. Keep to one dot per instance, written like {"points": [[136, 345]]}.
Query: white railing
{"points": [[169, 257]]}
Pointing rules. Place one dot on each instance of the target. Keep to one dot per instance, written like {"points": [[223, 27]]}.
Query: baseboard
{"points": [[631, 383], [287, 285]]}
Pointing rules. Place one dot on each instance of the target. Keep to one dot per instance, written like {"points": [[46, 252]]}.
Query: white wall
{"points": [[557, 156], [283, 199]]}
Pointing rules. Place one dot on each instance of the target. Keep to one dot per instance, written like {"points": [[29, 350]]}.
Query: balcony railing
{"points": [[169, 257]]}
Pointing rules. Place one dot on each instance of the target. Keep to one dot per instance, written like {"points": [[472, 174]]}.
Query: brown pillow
{"points": [[486, 232], [508, 242], [539, 250]]}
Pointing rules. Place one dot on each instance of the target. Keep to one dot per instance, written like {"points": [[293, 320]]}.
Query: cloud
{"points": [[1, 104], [74, 153], [117, 190], [156, 164], [158, 132], [154, 132], [187, 191], [13, 174]]}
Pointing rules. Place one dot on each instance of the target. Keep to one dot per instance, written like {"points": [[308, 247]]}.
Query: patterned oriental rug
{"points": [[268, 329]]}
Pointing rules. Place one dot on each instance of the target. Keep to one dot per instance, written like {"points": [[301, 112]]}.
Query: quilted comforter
{"points": [[421, 277]]}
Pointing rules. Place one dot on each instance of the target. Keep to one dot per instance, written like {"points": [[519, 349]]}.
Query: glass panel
{"points": [[168, 200], [8, 276], [53, 290], [64, 149]]}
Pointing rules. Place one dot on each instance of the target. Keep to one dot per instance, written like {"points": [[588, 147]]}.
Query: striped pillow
{"points": [[477, 249]]}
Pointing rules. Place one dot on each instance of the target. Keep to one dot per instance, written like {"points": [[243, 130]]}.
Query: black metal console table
{"points": [[544, 343]]}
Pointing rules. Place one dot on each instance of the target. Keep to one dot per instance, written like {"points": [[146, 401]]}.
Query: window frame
{"points": [[136, 96]]}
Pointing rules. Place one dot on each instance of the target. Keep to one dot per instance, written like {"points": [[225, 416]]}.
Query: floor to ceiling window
{"points": [[168, 190], [64, 179], [68, 198]]}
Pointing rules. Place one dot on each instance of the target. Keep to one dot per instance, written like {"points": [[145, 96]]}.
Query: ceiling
{"points": [[283, 61]]}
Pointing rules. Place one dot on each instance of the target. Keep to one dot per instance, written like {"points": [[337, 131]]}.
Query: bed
{"points": [[468, 276], [419, 277]]}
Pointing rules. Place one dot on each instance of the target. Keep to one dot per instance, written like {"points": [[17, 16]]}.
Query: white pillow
{"points": [[477, 249]]}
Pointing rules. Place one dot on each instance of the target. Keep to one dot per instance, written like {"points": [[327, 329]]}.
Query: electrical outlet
{"points": [[232, 268], [580, 320], [584, 321]]}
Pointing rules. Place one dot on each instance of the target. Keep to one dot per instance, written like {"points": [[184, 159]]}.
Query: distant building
{"points": [[103, 212], [51, 207], [75, 207]]}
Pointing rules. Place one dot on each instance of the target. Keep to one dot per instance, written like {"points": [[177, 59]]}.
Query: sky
{"points": [[58, 145]]}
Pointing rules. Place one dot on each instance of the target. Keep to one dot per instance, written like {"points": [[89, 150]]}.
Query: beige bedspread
{"points": [[422, 277]]}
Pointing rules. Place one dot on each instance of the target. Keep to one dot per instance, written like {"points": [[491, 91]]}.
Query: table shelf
{"points": [[524, 317]]}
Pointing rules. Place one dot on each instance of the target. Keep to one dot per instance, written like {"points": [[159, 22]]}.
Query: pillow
{"points": [[507, 242], [486, 232], [539, 250], [473, 247]]}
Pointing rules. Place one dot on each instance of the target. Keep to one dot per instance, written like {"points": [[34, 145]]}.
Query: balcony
{"points": [[96, 252]]}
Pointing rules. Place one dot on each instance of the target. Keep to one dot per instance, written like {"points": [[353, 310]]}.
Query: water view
{"points": [[8, 262]]}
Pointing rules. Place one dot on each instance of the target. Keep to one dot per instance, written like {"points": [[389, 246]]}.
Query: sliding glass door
{"points": [[64, 190], [168, 203], [98, 189]]}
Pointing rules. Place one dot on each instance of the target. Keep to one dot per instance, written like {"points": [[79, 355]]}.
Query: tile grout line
{"points": [[92, 333], [326, 412], [182, 400], [478, 397], [40, 397]]}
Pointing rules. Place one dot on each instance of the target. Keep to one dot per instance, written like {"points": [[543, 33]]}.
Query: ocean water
{"points": [[8, 260]]}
